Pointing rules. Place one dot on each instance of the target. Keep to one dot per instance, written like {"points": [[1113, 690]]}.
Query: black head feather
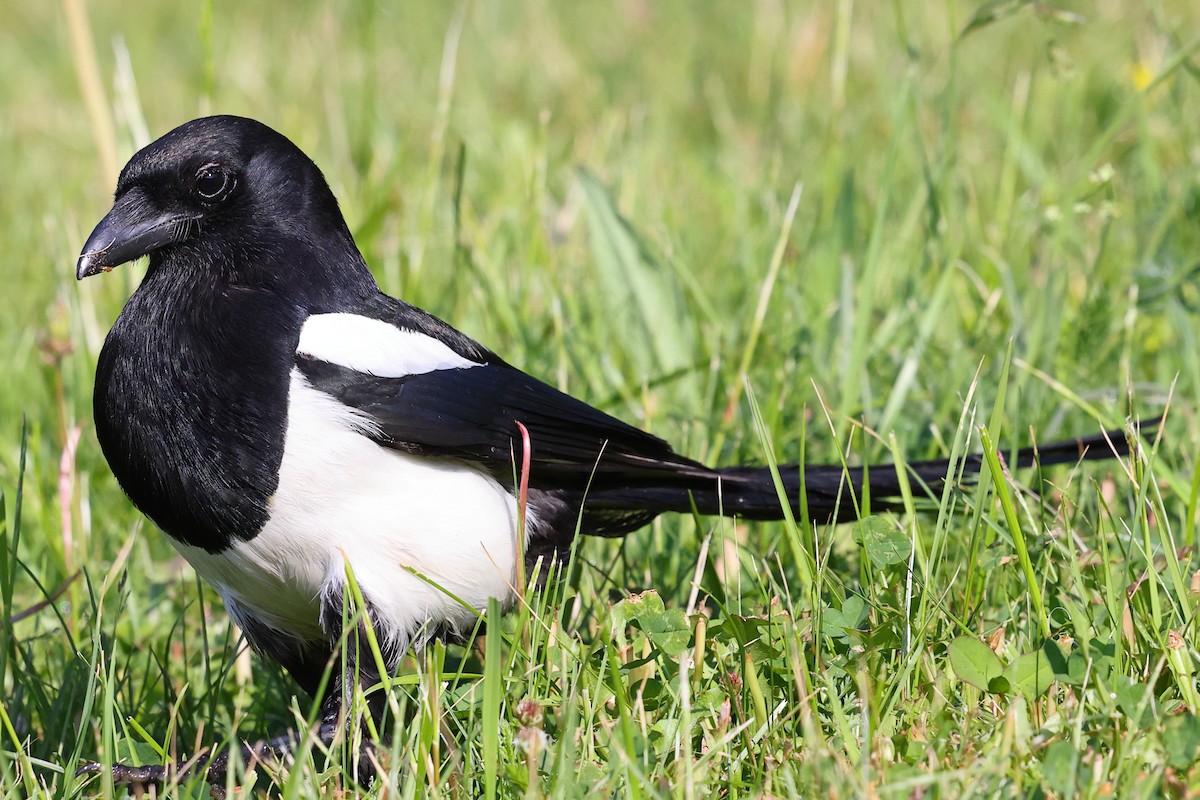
{"points": [[228, 201]]}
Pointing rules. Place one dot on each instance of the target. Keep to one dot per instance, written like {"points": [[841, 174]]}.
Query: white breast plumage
{"points": [[342, 498]]}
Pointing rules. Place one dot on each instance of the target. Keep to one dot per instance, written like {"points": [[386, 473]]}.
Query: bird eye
{"points": [[213, 182]]}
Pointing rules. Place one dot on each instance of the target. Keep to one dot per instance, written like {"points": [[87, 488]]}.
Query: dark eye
{"points": [[213, 182]]}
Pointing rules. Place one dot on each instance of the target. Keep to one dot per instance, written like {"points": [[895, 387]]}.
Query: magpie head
{"points": [[222, 195]]}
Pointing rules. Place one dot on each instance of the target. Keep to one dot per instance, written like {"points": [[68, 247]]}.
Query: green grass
{"points": [[994, 230]]}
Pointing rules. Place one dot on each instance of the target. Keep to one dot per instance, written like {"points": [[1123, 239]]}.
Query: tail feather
{"points": [[833, 493]]}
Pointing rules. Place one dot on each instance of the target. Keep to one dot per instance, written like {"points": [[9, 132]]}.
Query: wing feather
{"points": [[472, 413]]}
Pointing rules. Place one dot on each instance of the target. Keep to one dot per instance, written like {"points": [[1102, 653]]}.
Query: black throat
{"points": [[191, 402]]}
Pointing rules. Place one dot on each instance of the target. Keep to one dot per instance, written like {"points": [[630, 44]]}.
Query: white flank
{"points": [[343, 498], [375, 347]]}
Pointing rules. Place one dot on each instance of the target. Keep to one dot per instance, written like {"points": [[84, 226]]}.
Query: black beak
{"points": [[130, 230]]}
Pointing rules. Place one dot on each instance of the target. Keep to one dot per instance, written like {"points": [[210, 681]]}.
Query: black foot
{"points": [[141, 780], [151, 779], [127, 775]]}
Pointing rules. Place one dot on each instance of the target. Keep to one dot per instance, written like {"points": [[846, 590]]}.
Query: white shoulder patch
{"points": [[375, 347]]}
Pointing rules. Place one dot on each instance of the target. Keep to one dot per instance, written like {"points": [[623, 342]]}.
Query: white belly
{"points": [[342, 499]]}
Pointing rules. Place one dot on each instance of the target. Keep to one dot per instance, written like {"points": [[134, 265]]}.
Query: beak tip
{"points": [[89, 264]]}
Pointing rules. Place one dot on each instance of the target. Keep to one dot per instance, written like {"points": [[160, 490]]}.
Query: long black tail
{"points": [[834, 493]]}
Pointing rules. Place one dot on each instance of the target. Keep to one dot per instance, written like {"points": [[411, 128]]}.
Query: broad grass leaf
{"points": [[1181, 740], [974, 662], [884, 543], [639, 291], [666, 628], [1133, 700], [1031, 674], [1060, 765]]}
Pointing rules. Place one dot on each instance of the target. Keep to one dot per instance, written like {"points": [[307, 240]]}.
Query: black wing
{"points": [[472, 413]]}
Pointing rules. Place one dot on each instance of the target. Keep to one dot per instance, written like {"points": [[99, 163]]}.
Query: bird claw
{"points": [[126, 775], [140, 780]]}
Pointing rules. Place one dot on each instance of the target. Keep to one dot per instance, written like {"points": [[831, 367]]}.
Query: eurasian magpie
{"points": [[278, 417]]}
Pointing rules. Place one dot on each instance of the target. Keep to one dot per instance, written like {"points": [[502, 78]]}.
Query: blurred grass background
{"points": [[598, 191]]}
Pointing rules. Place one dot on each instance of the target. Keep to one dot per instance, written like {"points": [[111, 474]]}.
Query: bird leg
{"points": [[355, 672], [215, 770], [333, 720]]}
